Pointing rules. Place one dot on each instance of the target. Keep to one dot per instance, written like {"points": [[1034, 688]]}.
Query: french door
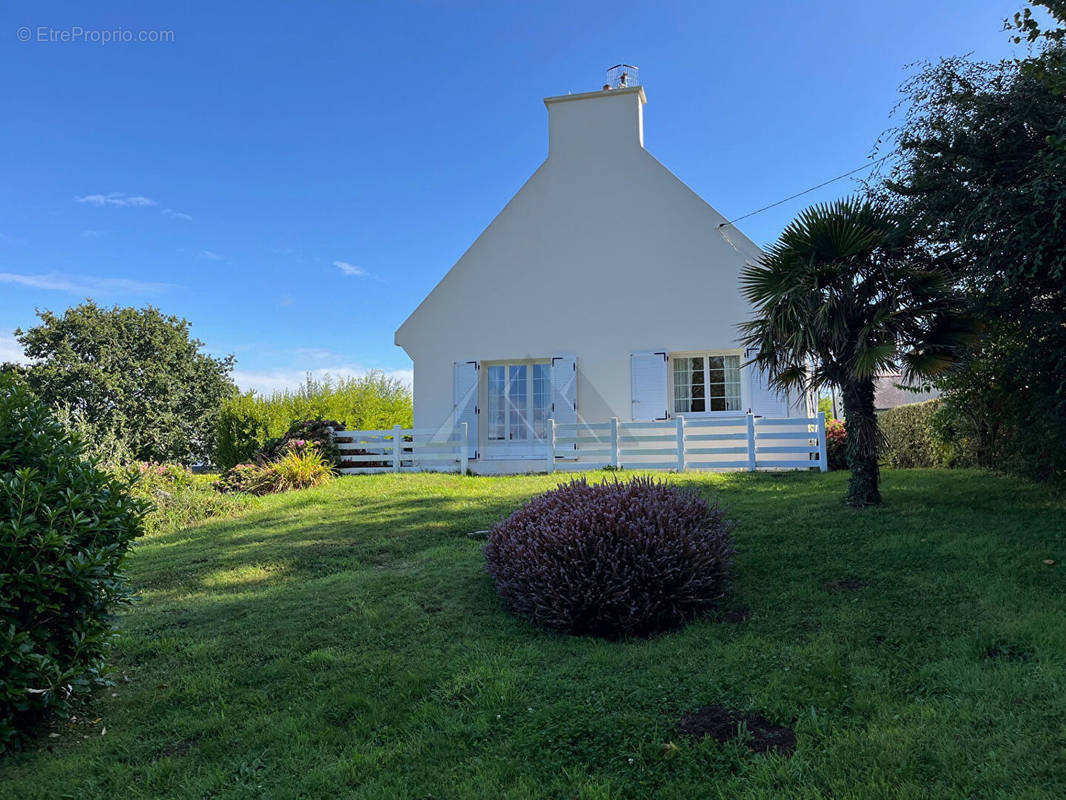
{"points": [[518, 396]]}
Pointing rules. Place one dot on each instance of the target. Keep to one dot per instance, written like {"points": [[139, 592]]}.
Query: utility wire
{"points": [[807, 191]]}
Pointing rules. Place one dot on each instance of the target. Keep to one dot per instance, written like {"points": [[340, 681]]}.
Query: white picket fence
{"points": [[401, 449], [731, 443]]}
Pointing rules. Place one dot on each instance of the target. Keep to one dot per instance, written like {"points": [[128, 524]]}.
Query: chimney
{"points": [[596, 125]]}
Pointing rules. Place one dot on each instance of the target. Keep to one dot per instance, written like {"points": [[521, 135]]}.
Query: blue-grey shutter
{"points": [[564, 392], [647, 383], [762, 400], [466, 373]]}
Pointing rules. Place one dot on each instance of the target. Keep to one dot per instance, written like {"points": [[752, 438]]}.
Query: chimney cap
{"points": [[623, 76]]}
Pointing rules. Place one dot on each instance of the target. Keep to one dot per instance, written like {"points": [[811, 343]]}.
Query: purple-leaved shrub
{"points": [[613, 558]]}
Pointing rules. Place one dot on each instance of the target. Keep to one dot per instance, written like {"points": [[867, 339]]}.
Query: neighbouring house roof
{"points": [[889, 394]]}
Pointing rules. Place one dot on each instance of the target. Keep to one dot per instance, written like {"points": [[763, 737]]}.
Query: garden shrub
{"points": [[836, 441], [317, 432], [908, 436], [922, 435], [246, 478], [65, 527], [249, 422], [299, 466], [242, 432], [613, 558]]}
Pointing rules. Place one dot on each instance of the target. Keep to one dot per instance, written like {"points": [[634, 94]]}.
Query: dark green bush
{"points": [[65, 527], [316, 433], [922, 435], [909, 440], [243, 431]]}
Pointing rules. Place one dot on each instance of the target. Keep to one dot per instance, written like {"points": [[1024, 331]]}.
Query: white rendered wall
{"points": [[602, 253]]}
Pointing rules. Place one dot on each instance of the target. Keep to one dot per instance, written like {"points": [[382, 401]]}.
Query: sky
{"points": [[293, 178]]}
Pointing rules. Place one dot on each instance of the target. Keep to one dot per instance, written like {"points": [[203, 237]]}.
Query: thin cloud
{"points": [[84, 284], [117, 199], [314, 353], [170, 212], [210, 256], [11, 351], [299, 354], [351, 269], [91, 234]]}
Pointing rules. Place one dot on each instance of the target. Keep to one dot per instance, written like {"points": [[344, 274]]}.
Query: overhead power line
{"points": [[807, 191]]}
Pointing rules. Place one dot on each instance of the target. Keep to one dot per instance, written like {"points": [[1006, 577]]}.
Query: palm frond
{"points": [[845, 288]]}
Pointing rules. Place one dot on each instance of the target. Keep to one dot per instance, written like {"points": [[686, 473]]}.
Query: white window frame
{"points": [[740, 412], [531, 445]]}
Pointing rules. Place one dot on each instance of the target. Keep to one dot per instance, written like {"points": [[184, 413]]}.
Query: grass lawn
{"points": [[346, 642]]}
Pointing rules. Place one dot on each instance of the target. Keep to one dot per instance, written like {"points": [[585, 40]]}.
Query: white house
{"points": [[605, 288]]}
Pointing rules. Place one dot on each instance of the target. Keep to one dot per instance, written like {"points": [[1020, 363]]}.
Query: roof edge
{"points": [[563, 98]]}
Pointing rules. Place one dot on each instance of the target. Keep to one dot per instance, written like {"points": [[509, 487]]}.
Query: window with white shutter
{"points": [[706, 383]]}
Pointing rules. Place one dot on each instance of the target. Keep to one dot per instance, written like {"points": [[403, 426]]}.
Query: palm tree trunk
{"points": [[862, 443]]}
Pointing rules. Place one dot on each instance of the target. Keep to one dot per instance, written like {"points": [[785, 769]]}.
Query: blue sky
{"points": [[294, 178]]}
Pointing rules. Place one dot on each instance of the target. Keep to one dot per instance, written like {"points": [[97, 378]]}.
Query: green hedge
{"points": [[249, 421], [922, 435]]}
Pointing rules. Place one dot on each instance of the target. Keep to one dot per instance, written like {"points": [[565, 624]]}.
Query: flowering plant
{"points": [[836, 439]]}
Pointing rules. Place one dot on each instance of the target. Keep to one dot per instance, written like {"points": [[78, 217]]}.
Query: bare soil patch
{"points": [[758, 733]]}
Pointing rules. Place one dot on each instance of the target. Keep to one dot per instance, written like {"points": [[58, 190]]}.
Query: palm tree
{"points": [[845, 294]]}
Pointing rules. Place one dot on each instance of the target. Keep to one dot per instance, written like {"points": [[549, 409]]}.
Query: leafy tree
{"points": [[131, 374], [982, 178], [842, 296]]}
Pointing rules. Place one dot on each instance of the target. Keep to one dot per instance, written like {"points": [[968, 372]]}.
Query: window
{"points": [[519, 401], [706, 383]]}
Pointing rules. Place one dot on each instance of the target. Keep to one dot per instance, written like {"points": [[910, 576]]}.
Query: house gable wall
{"points": [[602, 253]]}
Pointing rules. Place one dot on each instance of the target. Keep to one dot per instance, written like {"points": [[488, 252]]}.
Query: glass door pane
{"points": [[716, 382], [732, 383], [518, 403], [542, 398], [699, 399], [682, 386], [497, 410]]}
